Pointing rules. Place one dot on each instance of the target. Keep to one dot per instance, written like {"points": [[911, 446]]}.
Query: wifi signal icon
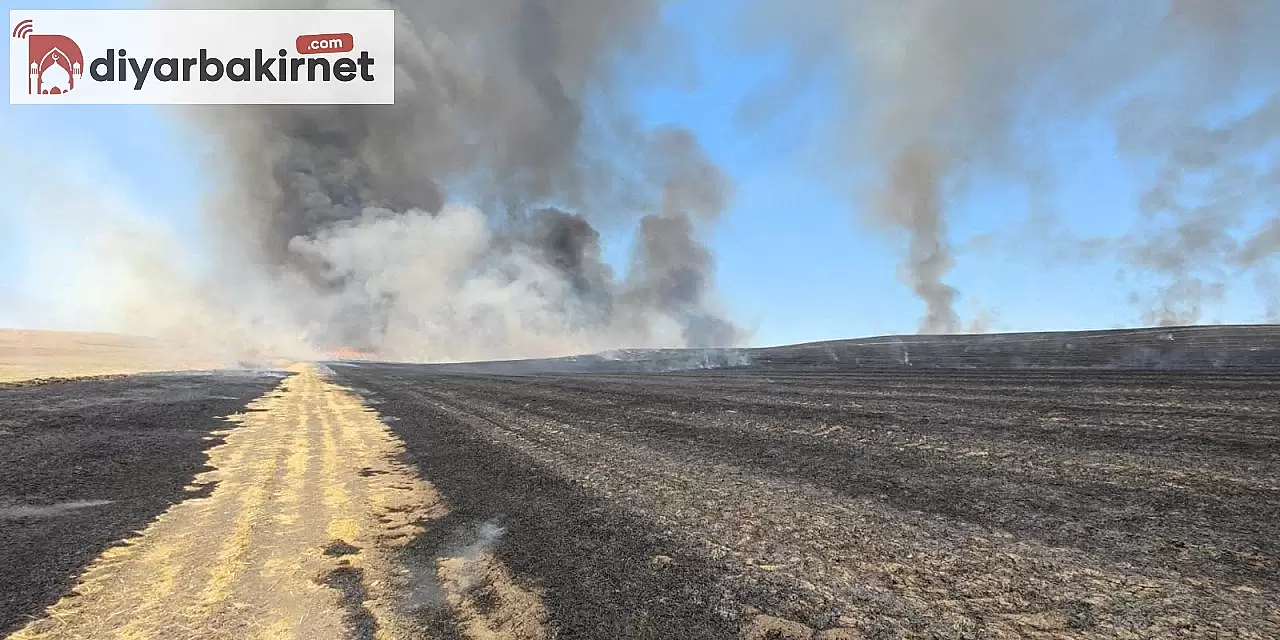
{"points": [[23, 29]]}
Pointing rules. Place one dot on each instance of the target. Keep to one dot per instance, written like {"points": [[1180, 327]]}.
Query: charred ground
{"points": [[886, 503], [981, 487], [1085, 484], [86, 463], [1198, 348]]}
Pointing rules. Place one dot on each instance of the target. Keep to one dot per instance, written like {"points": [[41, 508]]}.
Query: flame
{"points": [[349, 353]]}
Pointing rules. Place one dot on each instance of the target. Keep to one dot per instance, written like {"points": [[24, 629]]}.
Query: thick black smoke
{"points": [[513, 107], [571, 246], [671, 270], [470, 219]]}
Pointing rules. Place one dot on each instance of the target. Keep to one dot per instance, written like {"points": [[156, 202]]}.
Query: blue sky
{"points": [[793, 260]]}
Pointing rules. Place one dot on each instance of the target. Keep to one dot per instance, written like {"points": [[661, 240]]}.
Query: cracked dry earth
{"points": [[389, 501]]}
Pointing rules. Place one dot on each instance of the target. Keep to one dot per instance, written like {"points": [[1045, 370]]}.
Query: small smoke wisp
{"points": [[938, 95]]}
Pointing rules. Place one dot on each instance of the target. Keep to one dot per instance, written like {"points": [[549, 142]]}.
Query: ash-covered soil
{"points": [[85, 463], [776, 502], [1254, 348], [1018, 486]]}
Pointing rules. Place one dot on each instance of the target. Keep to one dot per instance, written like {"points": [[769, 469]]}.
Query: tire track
{"points": [[297, 538]]}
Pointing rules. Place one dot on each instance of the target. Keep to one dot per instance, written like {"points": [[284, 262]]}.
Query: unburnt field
{"points": [[27, 355]]}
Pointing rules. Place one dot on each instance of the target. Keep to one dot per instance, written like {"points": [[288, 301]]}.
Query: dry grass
{"points": [[272, 551], [33, 355]]}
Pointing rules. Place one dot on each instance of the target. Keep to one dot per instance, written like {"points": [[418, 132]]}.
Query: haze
{"points": [[656, 174]]}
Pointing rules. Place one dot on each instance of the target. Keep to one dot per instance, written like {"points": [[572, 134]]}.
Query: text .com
{"points": [[325, 43]]}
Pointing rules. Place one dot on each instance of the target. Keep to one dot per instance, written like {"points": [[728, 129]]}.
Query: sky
{"points": [[795, 262]]}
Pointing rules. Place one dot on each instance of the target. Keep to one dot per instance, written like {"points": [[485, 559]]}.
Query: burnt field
{"points": [[1089, 485], [876, 503], [1248, 348]]}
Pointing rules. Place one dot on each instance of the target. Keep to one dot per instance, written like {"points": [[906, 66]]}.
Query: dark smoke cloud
{"points": [[938, 94], [468, 220], [670, 268], [671, 276], [515, 108], [571, 246]]}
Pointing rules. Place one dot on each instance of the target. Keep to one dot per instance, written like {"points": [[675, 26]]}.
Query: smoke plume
{"points": [[938, 94], [472, 218], [465, 221]]}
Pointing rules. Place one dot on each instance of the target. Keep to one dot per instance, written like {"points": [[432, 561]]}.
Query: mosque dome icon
{"points": [[56, 64], [55, 78]]}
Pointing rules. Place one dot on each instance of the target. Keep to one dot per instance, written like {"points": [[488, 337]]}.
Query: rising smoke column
{"points": [[912, 201], [930, 95], [460, 222], [937, 94], [670, 269]]}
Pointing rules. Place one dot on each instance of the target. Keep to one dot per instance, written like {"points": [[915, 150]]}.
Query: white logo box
{"points": [[202, 56]]}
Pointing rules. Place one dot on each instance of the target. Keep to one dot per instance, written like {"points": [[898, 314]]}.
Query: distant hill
{"points": [[1219, 347], [1198, 347]]}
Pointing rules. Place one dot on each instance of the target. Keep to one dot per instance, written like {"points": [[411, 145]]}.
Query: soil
{"points": [[786, 495], [878, 504]]}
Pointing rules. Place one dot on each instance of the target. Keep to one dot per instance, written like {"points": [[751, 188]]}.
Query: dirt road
{"points": [[306, 501], [85, 463], [392, 501]]}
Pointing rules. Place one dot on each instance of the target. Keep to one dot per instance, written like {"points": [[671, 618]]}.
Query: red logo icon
{"points": [[55, 61]]}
